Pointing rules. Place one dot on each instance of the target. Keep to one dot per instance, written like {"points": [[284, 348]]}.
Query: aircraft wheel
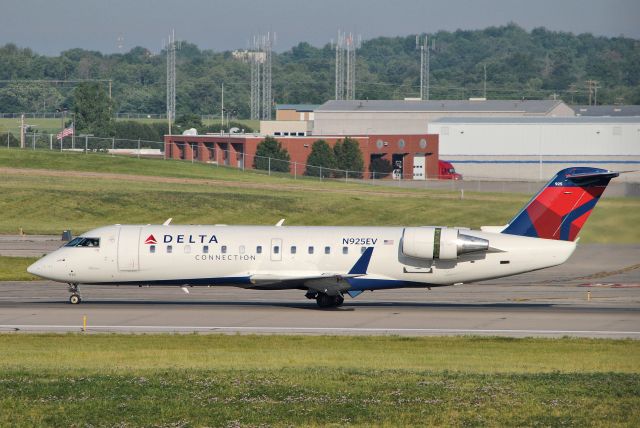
{"points": [[75, 299], [324, 301], [339, 300]]}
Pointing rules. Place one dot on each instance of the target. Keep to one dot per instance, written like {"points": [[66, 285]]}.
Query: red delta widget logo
{"points": [[183, 239]]}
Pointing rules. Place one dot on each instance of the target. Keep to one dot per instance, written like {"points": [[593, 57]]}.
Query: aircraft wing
{"points": [[327, 282]]}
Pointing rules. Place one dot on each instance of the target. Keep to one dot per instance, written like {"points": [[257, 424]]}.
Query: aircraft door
{"points": [[129, 248], [276, 249]]}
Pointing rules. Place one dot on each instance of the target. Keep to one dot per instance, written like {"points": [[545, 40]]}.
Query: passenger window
{"points": [[345, 250], [241, 249], [169, 249], [205, 249], [310, 250], [223, 249], [276, 250], [293, 249], [362, 250], [259, 249], [152, 249], [327, 250], [187, 249]]}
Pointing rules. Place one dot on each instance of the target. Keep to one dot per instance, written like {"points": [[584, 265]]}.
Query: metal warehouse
{"points": [[536, 147], [364, 117]]}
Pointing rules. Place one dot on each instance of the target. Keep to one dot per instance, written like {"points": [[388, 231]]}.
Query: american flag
{"points": [[65, 132]]}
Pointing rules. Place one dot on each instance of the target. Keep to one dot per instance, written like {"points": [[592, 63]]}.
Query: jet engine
{"points": [[439, 243]]}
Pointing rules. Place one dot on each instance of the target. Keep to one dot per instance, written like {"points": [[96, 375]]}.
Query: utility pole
{"points": [[222, 108], [22, 131], [484, 91], [171, 79], [592, 87]]}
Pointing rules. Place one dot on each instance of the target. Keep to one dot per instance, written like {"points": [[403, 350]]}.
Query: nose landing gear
{"points": [[75, 298]]}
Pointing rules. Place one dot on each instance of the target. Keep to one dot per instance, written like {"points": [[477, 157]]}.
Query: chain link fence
{"points": [[218, 157]]}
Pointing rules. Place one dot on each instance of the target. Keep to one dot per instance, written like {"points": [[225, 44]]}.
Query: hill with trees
{"points": [[519, 64]]}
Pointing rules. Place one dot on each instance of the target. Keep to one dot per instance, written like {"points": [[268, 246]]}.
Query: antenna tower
{"points": [[423, 45], [171, 79], [254, 61], [339, 95], [267, 97], [260, 57], [346, 47]]}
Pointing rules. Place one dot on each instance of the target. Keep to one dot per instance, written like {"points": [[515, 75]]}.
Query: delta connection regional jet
{"points": [[329, 262]]}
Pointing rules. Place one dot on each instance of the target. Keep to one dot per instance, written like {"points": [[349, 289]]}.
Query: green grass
{"points": [[15, 268], [41, 204], [215, 380]]}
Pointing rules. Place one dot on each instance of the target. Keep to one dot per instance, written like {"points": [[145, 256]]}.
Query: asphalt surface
{"points": [[595, 294]]}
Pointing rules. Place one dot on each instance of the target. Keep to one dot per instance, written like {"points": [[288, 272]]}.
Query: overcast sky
{"points": [[49, 26]]}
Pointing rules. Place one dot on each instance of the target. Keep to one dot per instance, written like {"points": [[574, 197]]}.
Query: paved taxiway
{"points": [[552, 302]]}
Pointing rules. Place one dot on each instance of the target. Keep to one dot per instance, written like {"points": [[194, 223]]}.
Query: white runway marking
{"points": [[327, 330]]}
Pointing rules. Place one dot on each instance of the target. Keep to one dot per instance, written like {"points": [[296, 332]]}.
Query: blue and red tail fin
{"points": [[562, 207]]}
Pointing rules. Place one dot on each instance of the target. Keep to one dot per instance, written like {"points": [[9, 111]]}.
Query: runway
{"points": [[500, 310], [595, 294]]}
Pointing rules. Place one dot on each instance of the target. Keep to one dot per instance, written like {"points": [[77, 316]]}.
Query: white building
{"points": [[535, 147]]}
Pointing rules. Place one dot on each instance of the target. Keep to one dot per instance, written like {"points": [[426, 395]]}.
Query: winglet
{"points": [[361, 266], [168, 222], [280, 223]]}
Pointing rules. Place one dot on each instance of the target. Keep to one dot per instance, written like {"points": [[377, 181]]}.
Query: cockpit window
{"points": [[84, 242]]}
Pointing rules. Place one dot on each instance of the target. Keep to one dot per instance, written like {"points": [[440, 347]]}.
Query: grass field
{"points": [[15, 268], [46, 204], [216, 380]]}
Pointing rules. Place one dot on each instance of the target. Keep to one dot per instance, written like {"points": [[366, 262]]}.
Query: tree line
{"points": [[324, 161], [535, 64]]}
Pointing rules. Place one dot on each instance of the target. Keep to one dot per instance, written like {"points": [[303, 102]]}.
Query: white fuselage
{"points": [[273, 257]]}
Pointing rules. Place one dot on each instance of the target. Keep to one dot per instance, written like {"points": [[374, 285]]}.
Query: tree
{"points": [[348, 158], [93, 109], [322, 161], [188, 121], [380, 167], [271, 148]]}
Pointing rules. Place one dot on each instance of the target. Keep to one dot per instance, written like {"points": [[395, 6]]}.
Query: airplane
{"points": [[331, 262]]}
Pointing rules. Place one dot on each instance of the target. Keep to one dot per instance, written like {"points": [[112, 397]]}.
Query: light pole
{"points": [[63, 112]]}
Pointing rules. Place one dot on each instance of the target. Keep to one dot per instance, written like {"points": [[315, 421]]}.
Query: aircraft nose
{"points": [[35, 268]]}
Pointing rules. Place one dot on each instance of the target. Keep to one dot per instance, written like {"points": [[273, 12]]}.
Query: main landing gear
{"points": [[75, 298], [325, 301]]}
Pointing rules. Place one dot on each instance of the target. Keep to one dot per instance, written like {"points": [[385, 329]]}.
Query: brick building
{"points": [[411, 155]]}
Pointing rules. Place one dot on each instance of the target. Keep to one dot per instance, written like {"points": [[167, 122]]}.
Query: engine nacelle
{"points": [[439, 243]]}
